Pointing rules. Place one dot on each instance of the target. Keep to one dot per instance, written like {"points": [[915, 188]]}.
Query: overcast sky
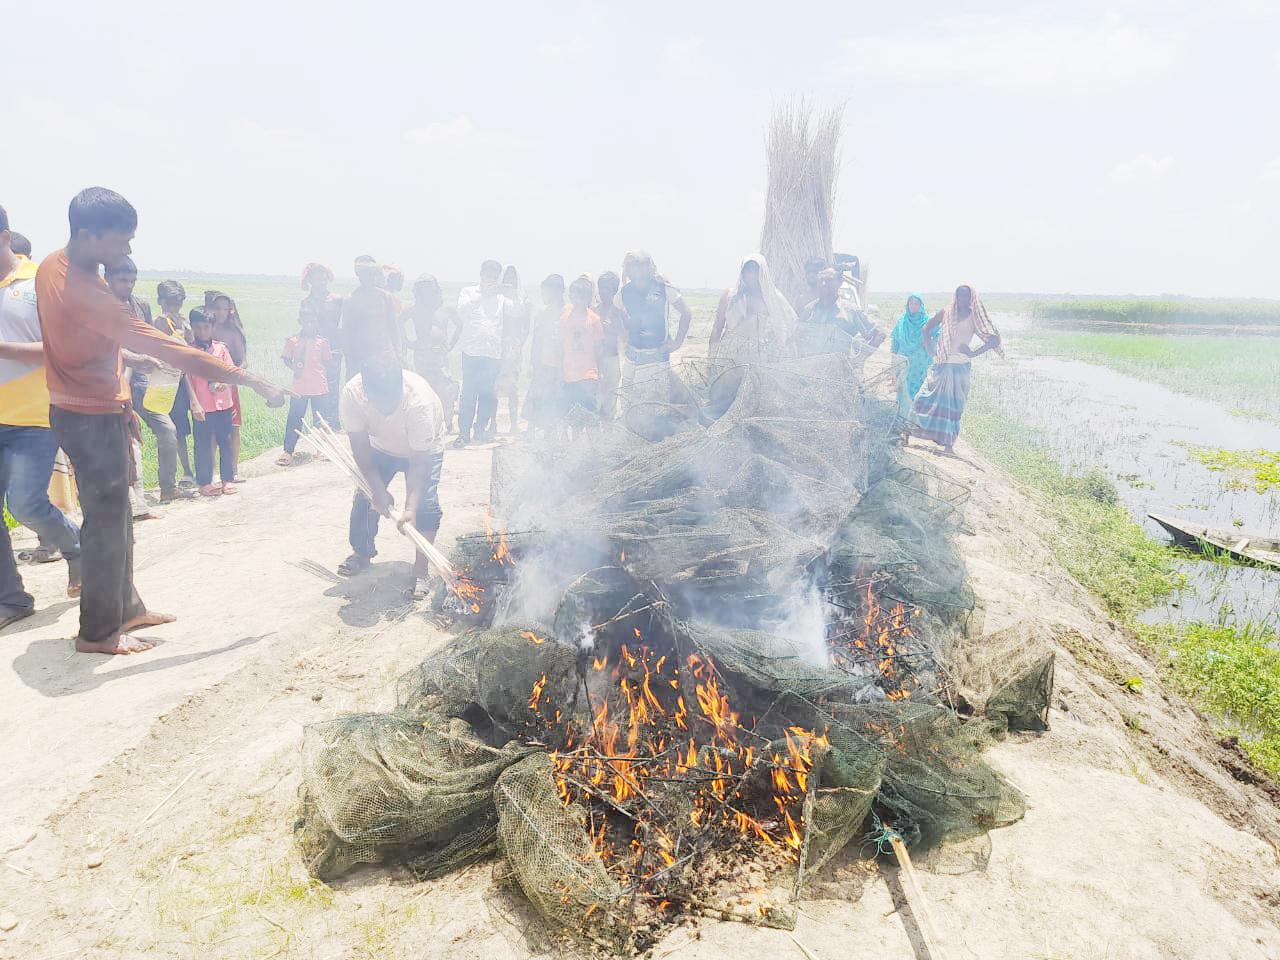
{"points": [[1054, 147]]}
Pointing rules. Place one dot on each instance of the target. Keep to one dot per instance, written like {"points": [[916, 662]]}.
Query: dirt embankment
{"points": [[150, 799]]}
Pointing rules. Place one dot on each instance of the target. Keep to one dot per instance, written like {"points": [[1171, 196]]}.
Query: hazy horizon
{"points": [[1100, 149], [530, 283]]}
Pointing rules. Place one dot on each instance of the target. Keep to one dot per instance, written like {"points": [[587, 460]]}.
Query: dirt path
{"points": [[178, 770]]}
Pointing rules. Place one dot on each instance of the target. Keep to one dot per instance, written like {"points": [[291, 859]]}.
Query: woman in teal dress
{"points": [[908, 342]]}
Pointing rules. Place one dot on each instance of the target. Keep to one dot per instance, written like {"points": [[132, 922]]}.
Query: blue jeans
{"points": [[479, 394], [26, 465], [363, 527]]}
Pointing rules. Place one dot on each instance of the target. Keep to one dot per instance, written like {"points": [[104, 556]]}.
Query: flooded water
{"points": [[1138, 432]]}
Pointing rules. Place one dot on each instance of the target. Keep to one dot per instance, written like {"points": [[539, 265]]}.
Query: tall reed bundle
{"points": [[803, 152], [330, 446]]}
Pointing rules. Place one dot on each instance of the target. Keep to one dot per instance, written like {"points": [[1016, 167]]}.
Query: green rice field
{"points": [[1243, 373], [1159, 310]]}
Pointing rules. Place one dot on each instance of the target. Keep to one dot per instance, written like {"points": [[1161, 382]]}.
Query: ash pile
{"points": [[702, 650]]}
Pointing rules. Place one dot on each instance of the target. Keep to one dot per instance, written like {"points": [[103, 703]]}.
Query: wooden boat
{"points": [[1263, 550]]}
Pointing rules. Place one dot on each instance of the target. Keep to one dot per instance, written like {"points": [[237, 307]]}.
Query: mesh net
{"points": [[712, 641], [1006, 677], [551, 854], [487, 678], [383, 787]]}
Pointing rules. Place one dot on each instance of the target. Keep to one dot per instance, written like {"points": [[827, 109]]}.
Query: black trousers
{"points": [[327, 406], [98, 447]]}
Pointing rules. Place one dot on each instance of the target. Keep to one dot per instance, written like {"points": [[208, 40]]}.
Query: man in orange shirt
{"points": [[84, 329]]}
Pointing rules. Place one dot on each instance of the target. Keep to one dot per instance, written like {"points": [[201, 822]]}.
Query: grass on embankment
{"points": [[1233, 671], [1230, 670]]}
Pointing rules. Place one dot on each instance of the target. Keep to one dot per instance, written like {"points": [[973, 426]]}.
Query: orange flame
{"points": [[627, 758]]}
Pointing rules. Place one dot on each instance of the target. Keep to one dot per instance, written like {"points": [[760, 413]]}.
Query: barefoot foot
{"points": [[120, 644], [147, 620]]}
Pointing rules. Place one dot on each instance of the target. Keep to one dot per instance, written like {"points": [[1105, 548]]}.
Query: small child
{"points": [[121, 278], [212, 407], [308, 355], [582, 349]]}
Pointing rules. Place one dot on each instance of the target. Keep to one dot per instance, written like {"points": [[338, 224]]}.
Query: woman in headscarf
{"points": [[940, 405], [908, 342], [754, 320], [228, 328]]}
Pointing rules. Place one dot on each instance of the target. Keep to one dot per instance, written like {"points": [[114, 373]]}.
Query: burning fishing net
{"points": [[709, 644]]}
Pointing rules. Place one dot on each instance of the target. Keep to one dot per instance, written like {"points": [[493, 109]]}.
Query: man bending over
{"points": [[395, 424]]}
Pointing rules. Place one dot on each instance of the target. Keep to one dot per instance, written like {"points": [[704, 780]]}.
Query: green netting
{"points": [[487, 678], [551, 855], [1006, 676], [386, 788], [731, 628]]}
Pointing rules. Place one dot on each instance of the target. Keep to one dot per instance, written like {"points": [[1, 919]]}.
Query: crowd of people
{"points": [[77, 353], [85, 365]]}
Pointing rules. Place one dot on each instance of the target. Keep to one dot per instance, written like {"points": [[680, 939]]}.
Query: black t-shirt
{"points": [[646, 314]]}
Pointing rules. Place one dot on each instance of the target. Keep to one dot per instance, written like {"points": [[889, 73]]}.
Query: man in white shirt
{"points": [[395, 423], [481, 311]]}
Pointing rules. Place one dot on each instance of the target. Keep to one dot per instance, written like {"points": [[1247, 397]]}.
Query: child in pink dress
{"points": [[308, 355], [212, 409]]}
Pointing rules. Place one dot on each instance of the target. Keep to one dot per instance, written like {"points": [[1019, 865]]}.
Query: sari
{"points": [[760, 335], [908, 342], [940, 404]]}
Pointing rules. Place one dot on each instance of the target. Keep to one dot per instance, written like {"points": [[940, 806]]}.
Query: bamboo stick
{"points": [[916, 900], [327, 444]]}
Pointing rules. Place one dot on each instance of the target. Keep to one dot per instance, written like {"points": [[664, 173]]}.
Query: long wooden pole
{"points": [[916, 900]]}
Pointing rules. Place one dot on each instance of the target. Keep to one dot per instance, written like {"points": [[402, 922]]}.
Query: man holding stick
{"points": [[395, 424], [85, 329]]}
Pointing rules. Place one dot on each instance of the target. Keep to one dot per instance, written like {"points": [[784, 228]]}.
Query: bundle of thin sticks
{"points": [[803, 155], [330, 446]]}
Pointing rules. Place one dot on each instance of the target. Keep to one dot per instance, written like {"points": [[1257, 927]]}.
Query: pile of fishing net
{"points": [[710, 646]]}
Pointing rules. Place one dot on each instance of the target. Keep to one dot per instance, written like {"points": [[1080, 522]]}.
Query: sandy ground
{"points": [[149, 800]]}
